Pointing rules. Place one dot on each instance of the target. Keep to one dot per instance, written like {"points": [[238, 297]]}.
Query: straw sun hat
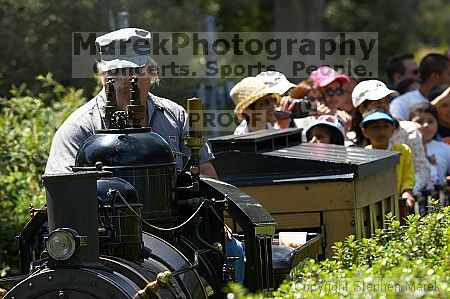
{"points": [[248, 91]]}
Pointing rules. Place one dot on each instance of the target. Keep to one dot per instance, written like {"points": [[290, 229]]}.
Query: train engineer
{"points": [[165, 117]]}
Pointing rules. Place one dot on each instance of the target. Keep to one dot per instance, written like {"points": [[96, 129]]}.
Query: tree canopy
{"points": [[36, 34]]}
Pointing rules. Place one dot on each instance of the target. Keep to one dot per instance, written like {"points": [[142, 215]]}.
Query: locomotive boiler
{"points": [[127, 224]]}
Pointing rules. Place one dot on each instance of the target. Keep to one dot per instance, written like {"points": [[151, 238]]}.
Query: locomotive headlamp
{"points": [[62, 243]]}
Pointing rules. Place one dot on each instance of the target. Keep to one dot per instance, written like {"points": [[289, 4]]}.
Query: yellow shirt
{"points": [[405, 168]]}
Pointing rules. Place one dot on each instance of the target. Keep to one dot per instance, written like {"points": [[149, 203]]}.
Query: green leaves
{"points": [[405, 262], [27, 125], [396, 262]]}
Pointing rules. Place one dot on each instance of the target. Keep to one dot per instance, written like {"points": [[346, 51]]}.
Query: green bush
{"points": [[397, 262], [27, 124], [400, 262]]}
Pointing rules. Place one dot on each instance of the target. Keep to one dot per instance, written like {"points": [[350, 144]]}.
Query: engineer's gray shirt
{"points": [[170, 121]]}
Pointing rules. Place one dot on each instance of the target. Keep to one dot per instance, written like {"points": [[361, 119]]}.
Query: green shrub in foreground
{"points": [[397, 262], [27, 124]]}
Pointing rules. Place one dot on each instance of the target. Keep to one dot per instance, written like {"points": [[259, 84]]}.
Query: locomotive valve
{"points": [[195, 140]]}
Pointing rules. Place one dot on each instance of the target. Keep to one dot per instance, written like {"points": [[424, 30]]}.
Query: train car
{"points": [[127, 224], [331, 189]]}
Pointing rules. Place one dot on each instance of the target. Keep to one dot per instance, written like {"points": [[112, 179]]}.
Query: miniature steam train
{"points": [[127, 224]]}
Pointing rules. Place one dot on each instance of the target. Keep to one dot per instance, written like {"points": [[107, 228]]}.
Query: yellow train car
{"points": [[334, 190]]}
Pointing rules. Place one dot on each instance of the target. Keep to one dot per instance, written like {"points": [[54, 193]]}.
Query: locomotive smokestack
{"points": [[72, 206], [135, 109], [111, 102]]}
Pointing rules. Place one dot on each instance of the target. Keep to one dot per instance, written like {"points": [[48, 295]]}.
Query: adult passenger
{"points": [[434, 69]]}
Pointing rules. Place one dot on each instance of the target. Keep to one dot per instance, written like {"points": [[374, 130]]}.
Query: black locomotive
{"points": [[127, 224]]}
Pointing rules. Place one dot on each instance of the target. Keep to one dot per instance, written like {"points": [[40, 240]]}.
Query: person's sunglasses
{"points": [[338, 91]]}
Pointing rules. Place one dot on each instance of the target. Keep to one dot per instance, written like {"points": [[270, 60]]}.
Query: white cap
{"points": [[372, 90], [276, 81], [123, 48]]}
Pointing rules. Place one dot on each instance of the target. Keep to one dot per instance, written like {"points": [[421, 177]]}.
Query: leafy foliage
{"points": [[402, 26], [397, 262], [45, 44], [27, 124]]}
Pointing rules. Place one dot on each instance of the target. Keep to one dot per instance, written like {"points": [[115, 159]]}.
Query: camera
{"points": [[303, 108]]}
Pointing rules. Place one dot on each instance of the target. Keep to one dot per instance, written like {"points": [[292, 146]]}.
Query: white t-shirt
{"points": [[438, 154], [401, 105]]}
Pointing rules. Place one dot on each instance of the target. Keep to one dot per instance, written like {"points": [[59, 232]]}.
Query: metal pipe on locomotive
{"points": [[127, 224]]}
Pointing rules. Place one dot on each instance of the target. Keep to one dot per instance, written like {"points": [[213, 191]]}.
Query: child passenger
{"points": [[378, 127], [326, 129], [371, 94], [425, 115]]}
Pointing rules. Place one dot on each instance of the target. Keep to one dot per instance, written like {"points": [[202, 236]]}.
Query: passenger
{"points": [[322, 81], [307, 88], [165, 117], [434, 69], [332, 84], [407, 85], [373, 94], [278, 83], [309, 91], [442, 104], [327, 129], [255, 104], [425, 116], [379, 127], [401, 67]]}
